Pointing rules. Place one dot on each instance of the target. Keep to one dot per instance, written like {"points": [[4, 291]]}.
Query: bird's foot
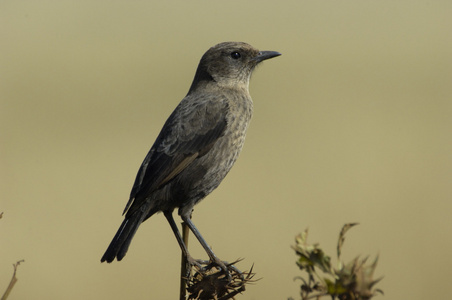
{"points": [[223, 267], [196, 263], [226, 268]]}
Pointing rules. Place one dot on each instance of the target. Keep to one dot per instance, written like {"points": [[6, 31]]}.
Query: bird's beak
{"points": [[263, 55]]}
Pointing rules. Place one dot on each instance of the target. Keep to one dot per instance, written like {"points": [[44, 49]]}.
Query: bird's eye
{"points": [[235, 55]]}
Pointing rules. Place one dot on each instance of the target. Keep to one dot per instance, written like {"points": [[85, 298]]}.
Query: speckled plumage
{"points": [[198, 144]]}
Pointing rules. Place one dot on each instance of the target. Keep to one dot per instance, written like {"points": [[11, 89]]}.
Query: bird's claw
{"points": [[204, 267], [197, 263]]}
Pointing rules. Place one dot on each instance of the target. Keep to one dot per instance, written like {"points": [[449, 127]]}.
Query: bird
{"points": [[196, 148]]}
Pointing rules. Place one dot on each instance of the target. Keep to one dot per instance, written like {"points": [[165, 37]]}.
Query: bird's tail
{"points": [[121, 242]]}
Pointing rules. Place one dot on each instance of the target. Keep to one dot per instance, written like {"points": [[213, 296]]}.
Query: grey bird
{"points": [[196, 147]]}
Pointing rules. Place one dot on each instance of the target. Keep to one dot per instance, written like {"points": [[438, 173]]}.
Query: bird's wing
{"points": [[190, 132]]}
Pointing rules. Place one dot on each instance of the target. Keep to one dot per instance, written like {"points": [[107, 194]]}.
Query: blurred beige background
{"points": [[352, 124]]}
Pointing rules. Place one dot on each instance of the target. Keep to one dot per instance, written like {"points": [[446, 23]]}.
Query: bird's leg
{"points": [[206, 247], [191, 261]]}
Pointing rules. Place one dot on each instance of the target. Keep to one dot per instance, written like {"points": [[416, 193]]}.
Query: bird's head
{"points": [[230, 64]]}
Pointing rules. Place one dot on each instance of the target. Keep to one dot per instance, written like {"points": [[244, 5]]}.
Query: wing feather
{"points": [[189, 133]]}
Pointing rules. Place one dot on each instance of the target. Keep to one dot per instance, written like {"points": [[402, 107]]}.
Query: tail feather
{"points": [[121, 242]]}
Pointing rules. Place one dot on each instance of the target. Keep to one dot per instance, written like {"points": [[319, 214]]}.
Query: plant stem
{"points": [[184, 264]]}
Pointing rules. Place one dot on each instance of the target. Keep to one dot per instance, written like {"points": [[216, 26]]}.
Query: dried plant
{"points": [[351, 281], [13, 281], [14, 278], [212, 283]]}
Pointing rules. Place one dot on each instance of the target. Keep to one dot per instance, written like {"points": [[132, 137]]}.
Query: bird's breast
{"points": [[208, 171], [227, 148]]}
